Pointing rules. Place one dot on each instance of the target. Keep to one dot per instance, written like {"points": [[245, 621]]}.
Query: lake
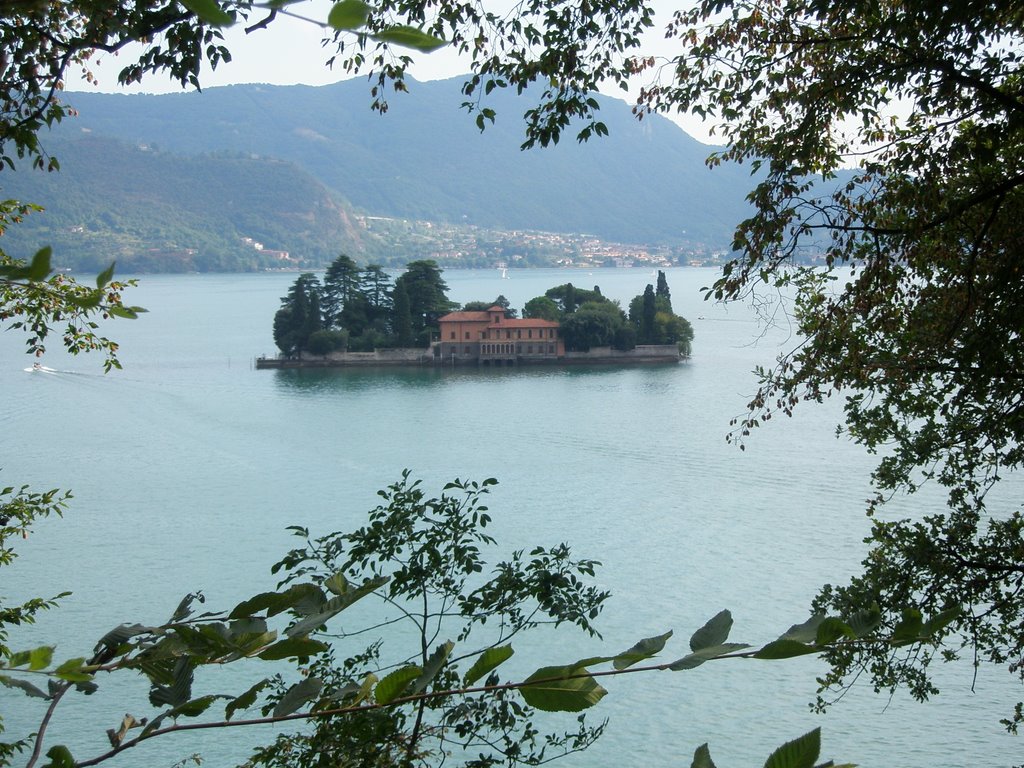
{"points": [[187, 466]]}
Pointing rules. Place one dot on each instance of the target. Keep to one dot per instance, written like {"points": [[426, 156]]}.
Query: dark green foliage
{"points": [[594, 324], [427, 294], [569, 298], [542, 308], [654, 322], [324, 341], [625, 338], [402, 316], [505, 304], [375, 286], [299, 315], [341, 284], [662, 291], [432, 553], [647, 313]]}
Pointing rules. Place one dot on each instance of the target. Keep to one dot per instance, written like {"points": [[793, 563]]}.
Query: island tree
{"points": [[651, 315], [299, 316], [427, 294]]}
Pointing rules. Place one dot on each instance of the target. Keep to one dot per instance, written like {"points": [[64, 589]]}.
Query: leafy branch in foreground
{"points": [[37, 300], [407, 697]]}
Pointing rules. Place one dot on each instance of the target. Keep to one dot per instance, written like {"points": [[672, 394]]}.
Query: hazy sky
{"points": [[290, 52]]}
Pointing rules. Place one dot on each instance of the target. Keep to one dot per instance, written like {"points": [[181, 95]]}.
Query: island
{"points": [[357, 317]]}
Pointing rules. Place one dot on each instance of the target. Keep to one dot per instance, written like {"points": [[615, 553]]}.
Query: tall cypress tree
{"points": [[662, 291]]}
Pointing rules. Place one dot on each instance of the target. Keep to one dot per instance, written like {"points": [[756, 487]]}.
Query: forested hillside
{"points": [[425, 159], [155, 211]]}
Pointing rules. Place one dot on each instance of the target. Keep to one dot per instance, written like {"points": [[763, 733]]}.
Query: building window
{"points": [[529, 333], [453, 334], [519, 334], [467, 335], [467, 350], [529, 349], [551, 349]]}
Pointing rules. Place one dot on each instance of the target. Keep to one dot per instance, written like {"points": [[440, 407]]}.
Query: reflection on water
{"points": [[384, 378]]}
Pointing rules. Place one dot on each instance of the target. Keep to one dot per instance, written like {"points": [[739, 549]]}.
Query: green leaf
{"points": [[866, 621], [784, 649], [487, 661], [941, 620], [832, 629], [337, 584], [702, 757], [246, 700], [195, 707], [279, 602], [645, 649], [40, 268], [119, 635], [180, 688], [410, 37], [801, 752], [28, 688], [366, 688], [349, 14], [60, 757], [301, 647], [104, 277], [90, 301], [126, 312], [336, 605], [298, 695], [72, 671], [715, 632], [395, 684], [806, 632], [554, 693], [434, 664], [36, 658], [210, 12], [697, 658], [909, 629]]}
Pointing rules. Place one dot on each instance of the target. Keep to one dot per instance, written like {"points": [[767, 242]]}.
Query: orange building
{"points": [[490, 338]]}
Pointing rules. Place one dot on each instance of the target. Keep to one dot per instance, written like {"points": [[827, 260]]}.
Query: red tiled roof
{"points": [[466, 317], [485, 317]]}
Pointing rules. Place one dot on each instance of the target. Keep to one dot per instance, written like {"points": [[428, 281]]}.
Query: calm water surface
{"points": [[187, 466]]}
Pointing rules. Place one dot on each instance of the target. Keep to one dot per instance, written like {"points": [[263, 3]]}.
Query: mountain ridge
{"points": [[645, 183], [425, 158]]}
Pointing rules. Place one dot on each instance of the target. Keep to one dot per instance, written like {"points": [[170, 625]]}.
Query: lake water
{"points": [[187, 466]]}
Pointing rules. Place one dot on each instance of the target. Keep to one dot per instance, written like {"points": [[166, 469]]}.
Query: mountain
{"points": [[155, 211], [425, 158], [195, 180]]}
